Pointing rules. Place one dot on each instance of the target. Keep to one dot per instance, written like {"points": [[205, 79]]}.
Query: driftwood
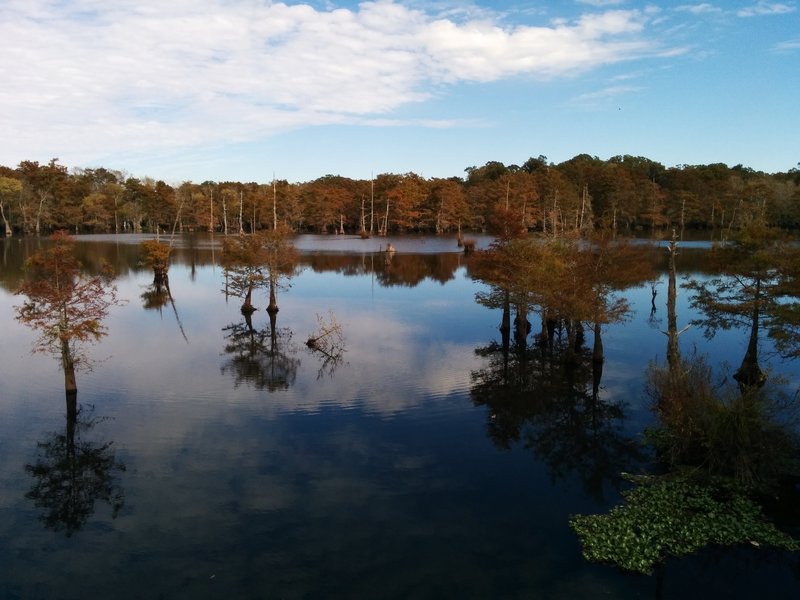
{"points": [[328, 342]]}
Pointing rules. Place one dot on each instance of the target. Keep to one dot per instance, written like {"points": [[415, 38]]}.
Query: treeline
{"points": [[622, 193]]}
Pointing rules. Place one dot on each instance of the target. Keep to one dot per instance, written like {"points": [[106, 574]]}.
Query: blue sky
{"points": [[244, 90]]}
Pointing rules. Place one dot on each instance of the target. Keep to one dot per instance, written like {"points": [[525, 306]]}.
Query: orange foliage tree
{"points": [[65, 305]]}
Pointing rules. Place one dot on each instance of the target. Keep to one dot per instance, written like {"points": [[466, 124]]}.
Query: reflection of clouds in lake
{"points": [[389, 368], [167, 389]]}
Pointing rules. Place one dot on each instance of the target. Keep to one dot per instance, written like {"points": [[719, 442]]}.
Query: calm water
{"points": [[246, 467]]}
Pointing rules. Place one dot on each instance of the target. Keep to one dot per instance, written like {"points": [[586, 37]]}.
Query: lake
{"points": [[230, 461]]}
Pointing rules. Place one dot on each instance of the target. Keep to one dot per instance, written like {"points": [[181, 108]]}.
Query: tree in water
{"points": [[748, 292], [281, 262], [706, 425], [568, 279], [718, 445], [243, 259], [156, 255], [264, 259], [66, 306]]}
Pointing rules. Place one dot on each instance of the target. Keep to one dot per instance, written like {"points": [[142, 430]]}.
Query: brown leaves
{"points": [[67, 307]]}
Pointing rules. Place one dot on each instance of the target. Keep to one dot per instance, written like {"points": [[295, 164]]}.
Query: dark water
{"points": [[242, 474]]}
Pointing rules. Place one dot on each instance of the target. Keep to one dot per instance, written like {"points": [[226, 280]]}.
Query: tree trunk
{"points": [[241, 205], [24, 212], [68, 364], [273, 300], [5, 221], [749, 373], [247, 306], [673, 353], [274, 204], [42, 198], [211, 212], [371, 205], [543, 339]]}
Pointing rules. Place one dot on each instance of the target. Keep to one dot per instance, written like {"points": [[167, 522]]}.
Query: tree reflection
{"points": [[548, 396], [264, 358], [73, 473], [391, 269], [721, 450], [157, 295], [556, 411], [708, 425]]}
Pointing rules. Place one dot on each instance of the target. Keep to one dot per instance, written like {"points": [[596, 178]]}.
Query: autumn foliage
{"points": [[66, 306]]}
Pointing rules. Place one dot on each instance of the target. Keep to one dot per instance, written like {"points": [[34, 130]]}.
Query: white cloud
{"points": [[788, 46], [601, 3], [83, 78], [699, 9], [765, 8], [602, 97]]}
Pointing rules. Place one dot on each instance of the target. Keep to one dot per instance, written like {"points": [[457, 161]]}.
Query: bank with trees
{"points": [[622, 193]]}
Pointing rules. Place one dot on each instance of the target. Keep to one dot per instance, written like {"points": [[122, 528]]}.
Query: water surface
{"points": [[248, 467]]}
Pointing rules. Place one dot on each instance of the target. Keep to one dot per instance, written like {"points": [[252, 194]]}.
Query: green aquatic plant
{"points": [[674, 517]]}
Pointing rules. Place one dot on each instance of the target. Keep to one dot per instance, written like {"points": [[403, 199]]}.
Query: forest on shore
{"points": [[623, 193]]}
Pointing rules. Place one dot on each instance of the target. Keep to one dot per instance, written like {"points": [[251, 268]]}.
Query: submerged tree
{"points": [[569, 280], [747, 294], [264, 259], [714, 429], [156, 255], [243, 259], [707, 425], [65, 305], [281, 262]]}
